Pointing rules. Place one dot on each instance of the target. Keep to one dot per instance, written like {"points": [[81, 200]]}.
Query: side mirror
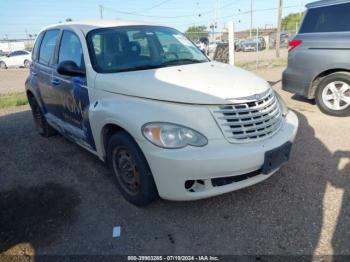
{"points": [[70, 68]]}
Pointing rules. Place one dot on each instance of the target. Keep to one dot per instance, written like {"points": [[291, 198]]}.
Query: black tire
{"points": [[320, 91], [26, 63], [42, 126], [3, 65], [130, 168]]}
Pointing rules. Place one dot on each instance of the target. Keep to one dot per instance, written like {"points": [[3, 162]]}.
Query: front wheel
{"points": [[333, 94], [130, 168]]}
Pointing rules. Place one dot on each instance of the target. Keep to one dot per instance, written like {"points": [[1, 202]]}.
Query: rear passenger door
{"points": [[72, 93], [44, 71]]}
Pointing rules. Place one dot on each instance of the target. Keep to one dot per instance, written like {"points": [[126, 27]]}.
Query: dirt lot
{"points": [[55, 198], [12, 80]]}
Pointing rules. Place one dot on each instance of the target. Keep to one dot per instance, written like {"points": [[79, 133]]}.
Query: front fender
{"points": [[131, 113]]}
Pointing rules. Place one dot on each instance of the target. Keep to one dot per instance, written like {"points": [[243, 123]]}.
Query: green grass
{"points": [[12, 100]]}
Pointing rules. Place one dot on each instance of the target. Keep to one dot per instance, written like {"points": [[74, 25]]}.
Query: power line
{"points": [[167, 17], [241, 13], [141, 15], [155, 6]]}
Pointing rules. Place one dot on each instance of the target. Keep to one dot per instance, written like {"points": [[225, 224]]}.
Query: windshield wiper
{"points": [[183, 61], [137, 68]]}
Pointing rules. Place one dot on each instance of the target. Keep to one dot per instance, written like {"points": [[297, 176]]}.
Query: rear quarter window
{"points": [[334, 18], [35, 54]]}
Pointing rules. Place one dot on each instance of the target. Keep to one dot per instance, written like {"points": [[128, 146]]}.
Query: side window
{"points": [[334, 18], [36, 47], [70, 49], [47, 47], [13, 54]]}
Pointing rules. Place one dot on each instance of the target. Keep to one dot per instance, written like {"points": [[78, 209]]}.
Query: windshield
{"points": [[131, 48]]}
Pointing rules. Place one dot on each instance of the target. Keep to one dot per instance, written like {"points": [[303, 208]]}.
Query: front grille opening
{"points": [[223, 181], [250, 121]]}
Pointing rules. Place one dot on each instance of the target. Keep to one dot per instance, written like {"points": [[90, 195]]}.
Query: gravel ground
{"points": [[57, 198]]}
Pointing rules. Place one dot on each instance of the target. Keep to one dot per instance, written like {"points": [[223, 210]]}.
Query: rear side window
{"points": [[70, 49], [36, 47], [47, 47], [334, 18]]}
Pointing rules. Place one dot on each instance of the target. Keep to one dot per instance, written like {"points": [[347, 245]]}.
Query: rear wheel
{"points": [[3, 65], [130, 168], [44, 129], [333, 94]]}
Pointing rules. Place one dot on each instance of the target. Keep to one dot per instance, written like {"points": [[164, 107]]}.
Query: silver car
{"points": [[319, 57]]}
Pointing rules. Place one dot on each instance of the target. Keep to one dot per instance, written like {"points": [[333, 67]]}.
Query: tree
{"points": [[196, 32], [69, 20], [291, 22]]}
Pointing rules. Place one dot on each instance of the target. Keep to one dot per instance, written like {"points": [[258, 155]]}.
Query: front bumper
{"points": [[219, 159]]}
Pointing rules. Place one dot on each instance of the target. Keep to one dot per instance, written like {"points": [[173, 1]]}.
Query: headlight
{"points": [[173, 136], [283, 104]]}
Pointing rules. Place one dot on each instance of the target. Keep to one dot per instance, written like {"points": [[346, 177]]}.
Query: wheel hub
{"points": [[336, 95], [126, 170]]}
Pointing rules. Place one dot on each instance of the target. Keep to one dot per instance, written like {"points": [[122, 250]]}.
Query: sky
{"points": [[21, 17]]}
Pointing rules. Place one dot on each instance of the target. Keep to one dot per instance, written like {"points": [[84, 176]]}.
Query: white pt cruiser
{"points": [[168, 121]]}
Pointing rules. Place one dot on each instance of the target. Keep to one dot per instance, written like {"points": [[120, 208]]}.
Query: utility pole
{"points": [[251, 18], [279, 25], [101, 12]]}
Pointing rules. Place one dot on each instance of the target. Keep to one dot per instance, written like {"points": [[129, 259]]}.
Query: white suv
{"points": [[168, 121], [21, 58]]}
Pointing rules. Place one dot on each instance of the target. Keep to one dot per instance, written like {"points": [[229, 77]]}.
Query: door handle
{"points": [[55, 82], [34, 73]]}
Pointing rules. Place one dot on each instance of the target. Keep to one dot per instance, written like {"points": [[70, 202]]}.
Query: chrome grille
{"points": [[250, 121]]}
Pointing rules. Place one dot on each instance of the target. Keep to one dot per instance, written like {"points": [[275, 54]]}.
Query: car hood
{"points": [[203, 83]]}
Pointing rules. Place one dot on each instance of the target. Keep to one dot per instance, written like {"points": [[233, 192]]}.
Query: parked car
{"points": [[319, 57], [253, 44], [285, 38], [239, 45], [21, 58], [2, 53], [169, 124], [249, 46]]}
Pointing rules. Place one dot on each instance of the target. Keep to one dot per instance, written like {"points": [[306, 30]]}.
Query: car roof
{"points": [[326, 3], [87, 25]]}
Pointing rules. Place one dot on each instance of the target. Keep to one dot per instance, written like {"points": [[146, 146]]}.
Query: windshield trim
{"points": [[94, 63]]}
